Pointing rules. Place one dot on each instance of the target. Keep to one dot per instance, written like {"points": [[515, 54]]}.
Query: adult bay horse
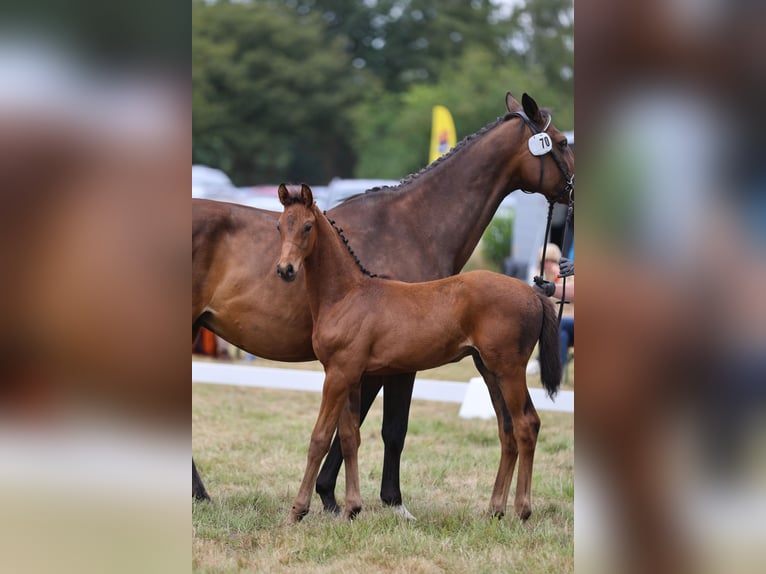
{"points": [[364, 324], [236, 294]]}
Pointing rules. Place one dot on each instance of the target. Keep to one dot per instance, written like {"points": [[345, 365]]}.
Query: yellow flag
{"points": [[442, 133]]}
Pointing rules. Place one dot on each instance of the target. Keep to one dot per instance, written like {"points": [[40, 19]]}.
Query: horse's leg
{"points": [[348, 429], [198, 489], [508, 449], [397, 396], [328, 476], [334, 396], [528, 425]]}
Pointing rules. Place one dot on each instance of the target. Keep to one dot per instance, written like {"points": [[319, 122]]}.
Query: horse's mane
{"points": [[462, 144]]}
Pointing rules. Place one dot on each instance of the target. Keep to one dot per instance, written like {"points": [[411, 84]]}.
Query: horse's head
{"points": [[547, 160], [296, 226]]}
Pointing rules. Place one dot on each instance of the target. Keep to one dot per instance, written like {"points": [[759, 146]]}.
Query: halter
{"points": [[567, 191]]}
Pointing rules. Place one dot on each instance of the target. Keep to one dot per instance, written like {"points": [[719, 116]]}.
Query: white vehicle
{"points": [[211, 183], [340, 189]]}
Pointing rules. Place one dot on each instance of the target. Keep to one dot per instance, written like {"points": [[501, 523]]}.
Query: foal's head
{"points": [[296, 225]]}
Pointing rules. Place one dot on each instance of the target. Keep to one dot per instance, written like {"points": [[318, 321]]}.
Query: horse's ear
{"points": [[511, 104], [531, 109], [306, 196], [284, 195]]}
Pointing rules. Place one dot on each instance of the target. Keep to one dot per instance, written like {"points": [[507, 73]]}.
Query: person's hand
{"points": [[566, 267], [547, 287]]}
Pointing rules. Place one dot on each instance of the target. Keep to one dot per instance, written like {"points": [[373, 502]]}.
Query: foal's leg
{"points": [[348, 429], [526, 427], [508, 449], [328, 476], [334, 396]]}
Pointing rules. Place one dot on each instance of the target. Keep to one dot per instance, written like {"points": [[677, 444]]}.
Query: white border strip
{"points": [[468, 394]]}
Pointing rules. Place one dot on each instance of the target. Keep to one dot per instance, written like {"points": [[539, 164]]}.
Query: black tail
{"points": [[550, 359]]}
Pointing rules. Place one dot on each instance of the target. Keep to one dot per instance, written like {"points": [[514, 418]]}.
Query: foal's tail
{"points": [[550, 359]]}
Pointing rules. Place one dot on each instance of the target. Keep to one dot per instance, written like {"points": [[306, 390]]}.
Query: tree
{"points": [[271, 94], [405, 42], [392, 130], [542, 32]]}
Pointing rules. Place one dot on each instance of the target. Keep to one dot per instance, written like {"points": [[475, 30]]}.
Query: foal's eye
{"points": [[307, 228]]}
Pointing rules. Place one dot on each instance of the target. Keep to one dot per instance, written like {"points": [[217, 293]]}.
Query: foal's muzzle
{"points": [[286, 272]]}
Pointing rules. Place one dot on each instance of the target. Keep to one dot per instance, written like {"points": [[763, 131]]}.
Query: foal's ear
{"points": [[284, 195], [511, 104], [531, 109], [306, 196]]}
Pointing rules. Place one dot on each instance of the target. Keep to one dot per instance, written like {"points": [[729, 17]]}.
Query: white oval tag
{"points": [[540, 144]]}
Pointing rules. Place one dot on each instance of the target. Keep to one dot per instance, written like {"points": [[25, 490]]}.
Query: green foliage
{"points": [[306, 90], [270, 93], [496, 241]]}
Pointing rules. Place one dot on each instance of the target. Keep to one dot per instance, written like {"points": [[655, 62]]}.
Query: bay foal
{"points": [[363, 324]]}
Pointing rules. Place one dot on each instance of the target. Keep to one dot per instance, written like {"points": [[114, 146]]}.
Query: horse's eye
{"points": [[307, 227], [279, 228], [563, 144]]}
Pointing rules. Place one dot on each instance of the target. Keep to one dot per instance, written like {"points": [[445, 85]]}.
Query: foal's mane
{"points": [[348, 246], [462, 144]]}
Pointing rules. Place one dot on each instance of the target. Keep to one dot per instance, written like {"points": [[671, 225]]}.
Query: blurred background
{"points": [[94, 135], [671, 362]]}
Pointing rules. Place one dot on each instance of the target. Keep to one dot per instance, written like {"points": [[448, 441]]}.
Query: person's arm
{"points": [[558, 292]]}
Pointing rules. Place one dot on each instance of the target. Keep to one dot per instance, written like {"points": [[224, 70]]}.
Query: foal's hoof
{"points": [[524, 513], [352, 513], [296, 516]]}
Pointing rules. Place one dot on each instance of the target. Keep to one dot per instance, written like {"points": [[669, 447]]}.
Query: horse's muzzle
{"points": [[287, 272]]}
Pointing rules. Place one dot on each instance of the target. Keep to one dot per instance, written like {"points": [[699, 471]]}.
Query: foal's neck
{"points": [[331, 272]]}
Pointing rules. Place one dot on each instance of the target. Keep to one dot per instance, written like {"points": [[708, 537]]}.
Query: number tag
{"points": [[540, 144]]}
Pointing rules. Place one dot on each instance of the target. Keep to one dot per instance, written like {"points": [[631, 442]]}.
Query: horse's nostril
{"points": [[290, 269]]}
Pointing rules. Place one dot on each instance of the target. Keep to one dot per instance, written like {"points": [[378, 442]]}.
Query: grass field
{"points": [[250, 445]]}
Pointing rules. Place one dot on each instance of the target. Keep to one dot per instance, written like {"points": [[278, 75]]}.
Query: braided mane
{"points": [[351, 251], [462, 144]]}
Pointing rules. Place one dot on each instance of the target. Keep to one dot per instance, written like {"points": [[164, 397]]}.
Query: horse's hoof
{"points": [[401, 510], [201, 496], [498, 514], [331, 507]]}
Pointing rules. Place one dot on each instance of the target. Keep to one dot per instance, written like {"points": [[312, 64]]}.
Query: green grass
{"points": [[251, 444]]}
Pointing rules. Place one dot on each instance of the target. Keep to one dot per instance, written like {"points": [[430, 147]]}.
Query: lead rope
{"points": [[561, 302]]}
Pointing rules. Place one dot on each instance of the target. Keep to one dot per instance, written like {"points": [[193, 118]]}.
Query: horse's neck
{"points": [[456, 199], [331, 272]]}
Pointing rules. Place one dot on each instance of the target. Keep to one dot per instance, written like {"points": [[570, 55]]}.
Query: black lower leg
{"points": [[198, 489], [397, 396]]}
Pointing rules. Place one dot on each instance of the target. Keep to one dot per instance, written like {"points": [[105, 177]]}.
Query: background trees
{"points": [[305, 90]]}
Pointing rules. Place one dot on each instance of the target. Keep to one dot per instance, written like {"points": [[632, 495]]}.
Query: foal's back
{"points": [[401, 326]]}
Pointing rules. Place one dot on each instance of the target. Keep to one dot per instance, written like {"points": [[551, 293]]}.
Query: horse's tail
{"points": [[550, 359]]}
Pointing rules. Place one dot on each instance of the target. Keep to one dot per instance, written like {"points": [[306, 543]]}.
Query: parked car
{"points": [[340, 189], [212, 183]]}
